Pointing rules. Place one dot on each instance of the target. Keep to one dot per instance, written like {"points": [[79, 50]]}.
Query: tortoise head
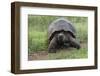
{"points": [[66, 39], [63, 37]]}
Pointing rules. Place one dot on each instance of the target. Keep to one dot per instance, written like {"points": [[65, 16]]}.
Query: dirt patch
{"points": [[42, 55]]}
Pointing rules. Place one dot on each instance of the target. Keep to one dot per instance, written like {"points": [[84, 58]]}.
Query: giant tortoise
{"points": [[61, 33]]}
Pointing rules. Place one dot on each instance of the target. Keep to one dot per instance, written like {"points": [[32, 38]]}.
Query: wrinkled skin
{"points": [[62, 39]]}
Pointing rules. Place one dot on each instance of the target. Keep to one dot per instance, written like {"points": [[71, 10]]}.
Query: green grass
{"points": [[69, 54], [38, 40], [82, 34]]}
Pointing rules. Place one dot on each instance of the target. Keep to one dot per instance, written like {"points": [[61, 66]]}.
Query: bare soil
{"points": [[41, 55]]}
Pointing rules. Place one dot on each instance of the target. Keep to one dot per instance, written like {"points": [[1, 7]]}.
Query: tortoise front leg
{"points": [[52, 46], [74, 43]]}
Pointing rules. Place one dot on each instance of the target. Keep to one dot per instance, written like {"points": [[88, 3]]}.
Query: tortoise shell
{"points": [[59, 25]]}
